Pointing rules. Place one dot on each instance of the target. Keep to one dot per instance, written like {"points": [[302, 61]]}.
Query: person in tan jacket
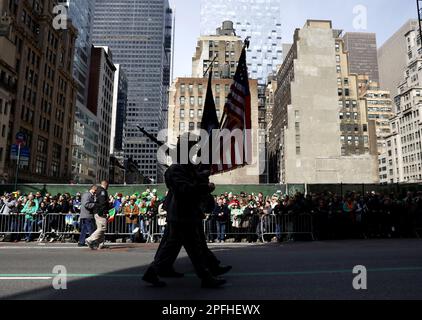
{"points": [[131, 211]]}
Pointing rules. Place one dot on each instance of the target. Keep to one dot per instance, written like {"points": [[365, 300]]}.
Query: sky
{"points": [[384, 17]]}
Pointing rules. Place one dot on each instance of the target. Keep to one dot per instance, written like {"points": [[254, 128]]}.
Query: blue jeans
{"points": [[87, 227], [29, 225], [278, 231], [221, 231], [130, 228], [142, 227]]}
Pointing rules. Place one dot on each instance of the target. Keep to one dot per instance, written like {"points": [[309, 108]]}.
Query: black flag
{"points": [[209, 121], [209, 116]]}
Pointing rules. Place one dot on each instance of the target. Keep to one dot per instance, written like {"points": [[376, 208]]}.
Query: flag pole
{"points": [[211, 66]]}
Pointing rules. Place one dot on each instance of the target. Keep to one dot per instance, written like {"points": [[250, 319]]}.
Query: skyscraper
{"points": [[118, 117], [85, 137], [139, 34], [392, 58], [261, 20], [100, 100], [363, 57]]}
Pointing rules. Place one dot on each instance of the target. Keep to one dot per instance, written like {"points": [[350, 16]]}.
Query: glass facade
{"points": [[139, 35], [259, 19], [85, 137]]}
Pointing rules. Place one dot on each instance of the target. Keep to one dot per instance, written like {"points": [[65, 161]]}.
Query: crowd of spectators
{"points": [[241, 217]]}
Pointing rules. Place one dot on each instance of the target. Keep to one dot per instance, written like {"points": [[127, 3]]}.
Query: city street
{"points": [[308, 270]]}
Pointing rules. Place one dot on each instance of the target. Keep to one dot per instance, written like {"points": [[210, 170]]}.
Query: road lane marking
{"points": [[123, 246], [25, 278], [230, 275]]}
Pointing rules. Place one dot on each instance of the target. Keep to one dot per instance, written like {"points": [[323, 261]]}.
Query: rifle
{"points": [[150, 136], [155, 140]]}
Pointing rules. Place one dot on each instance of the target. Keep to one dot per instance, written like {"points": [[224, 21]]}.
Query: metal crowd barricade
{"points": [[156, 228], [245, 228], [287, 224], [260, 227], [62, 227], [13, 223]]}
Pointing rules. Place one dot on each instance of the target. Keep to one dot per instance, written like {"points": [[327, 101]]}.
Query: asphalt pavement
{"points": [[302, 270]]}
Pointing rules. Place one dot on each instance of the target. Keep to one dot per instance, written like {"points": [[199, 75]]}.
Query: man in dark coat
{"points": [[101, 210], [184, 216]]}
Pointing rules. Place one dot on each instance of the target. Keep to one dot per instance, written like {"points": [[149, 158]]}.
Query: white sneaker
{"points": [[135, 231]]}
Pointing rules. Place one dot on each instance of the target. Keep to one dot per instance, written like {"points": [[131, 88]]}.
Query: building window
{"points": [[42, 145], [191, 113], [182, 113], [181, 126], [40, 166], [191, 126], [182, 101], [337, 47]]}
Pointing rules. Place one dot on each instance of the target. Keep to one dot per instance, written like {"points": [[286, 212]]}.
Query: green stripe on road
{"points": [[247, 274]]}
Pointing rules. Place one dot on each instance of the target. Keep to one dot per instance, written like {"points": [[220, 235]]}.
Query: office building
{"points": [[100, 101], [317, 120], [379, 106], [392, 58], [402, 162], [363, 56], [139, 33], [118, 116], [85, 137], [45, 92], [7, 91], [222, 49]]}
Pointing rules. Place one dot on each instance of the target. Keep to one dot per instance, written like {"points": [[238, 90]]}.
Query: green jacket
{"points": [[30, 212]]}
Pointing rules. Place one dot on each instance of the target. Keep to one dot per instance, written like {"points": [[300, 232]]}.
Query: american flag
{"points": [[237, 115]]}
